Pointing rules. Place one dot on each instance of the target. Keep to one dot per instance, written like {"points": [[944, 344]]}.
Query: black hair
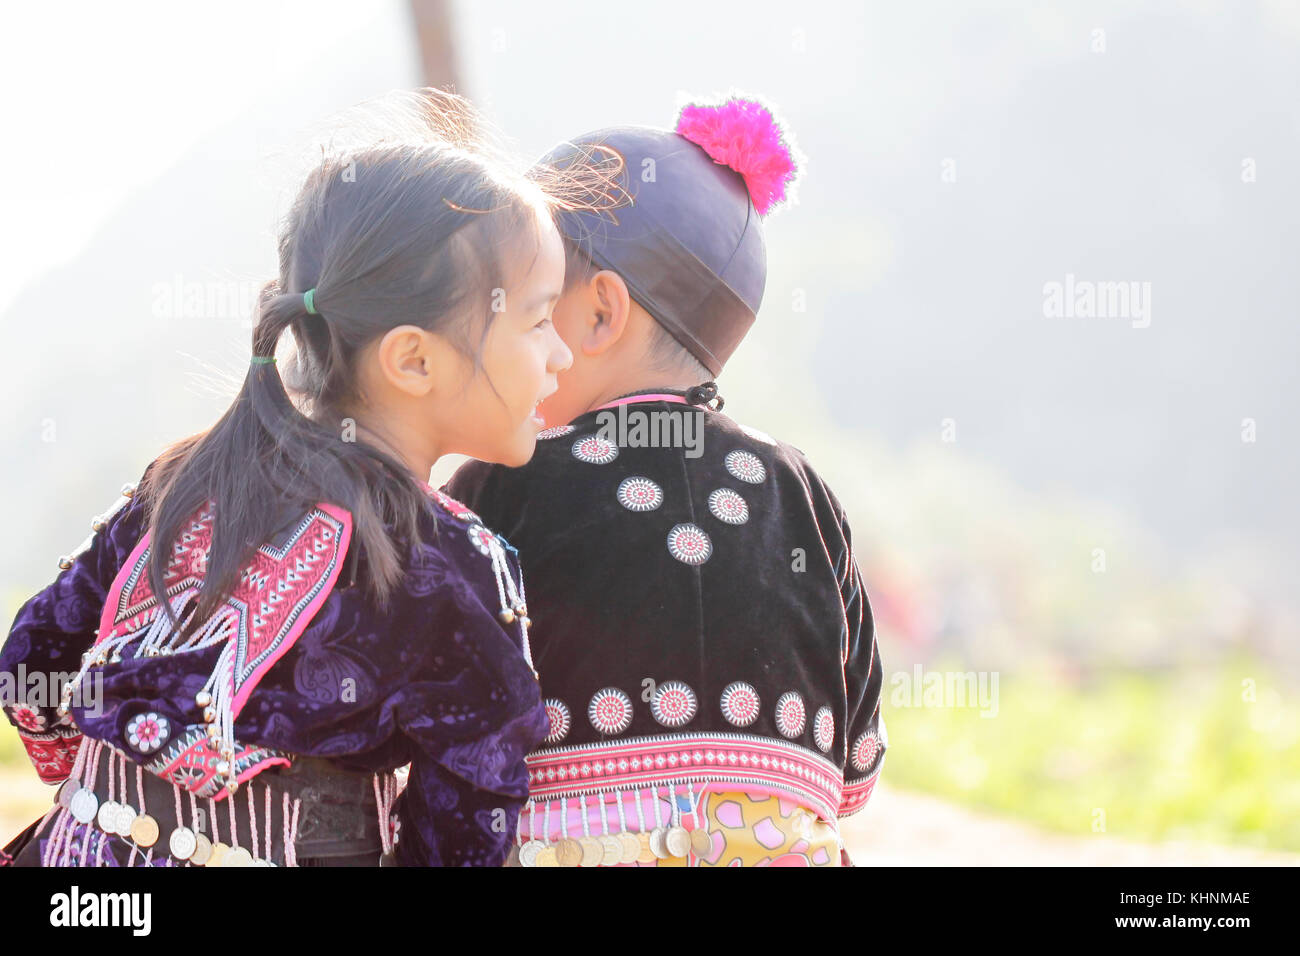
{"points": [[411, 233]]}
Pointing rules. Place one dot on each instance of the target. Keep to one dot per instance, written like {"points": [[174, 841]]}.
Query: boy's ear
{"points": [[610, 306]]}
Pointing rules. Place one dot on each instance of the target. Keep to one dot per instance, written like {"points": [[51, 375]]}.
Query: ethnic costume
{"points": [[708, 656], [701, 626], [274, 733]]}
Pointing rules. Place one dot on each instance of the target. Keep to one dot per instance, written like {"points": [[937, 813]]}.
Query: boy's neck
{"points": [[643, 382]]}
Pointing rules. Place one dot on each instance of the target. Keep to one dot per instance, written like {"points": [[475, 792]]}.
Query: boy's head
{"points": [[662, 291]]}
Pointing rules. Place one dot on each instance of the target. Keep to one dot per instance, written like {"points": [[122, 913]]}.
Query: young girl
{"points": [[327, 618]]}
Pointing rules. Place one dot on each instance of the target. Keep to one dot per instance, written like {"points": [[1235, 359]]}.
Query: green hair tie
{"points": [[307, 300], [263, 359]]}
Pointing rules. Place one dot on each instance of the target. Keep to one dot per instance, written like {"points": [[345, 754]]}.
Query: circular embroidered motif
{"points": [[558, 714], [27, 717], [595, 450], [824, 729], [673, 703], [745, 466], [559, 431], [757, 435], [865, 750], [639, 494], [483, 539], [740, 704], [610, 711], [790, 714], [728, 506], [689, 543], [454, 507], [147, 732]]}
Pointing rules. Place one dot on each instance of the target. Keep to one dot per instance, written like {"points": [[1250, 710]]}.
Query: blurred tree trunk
{"points": [[433, 33]]}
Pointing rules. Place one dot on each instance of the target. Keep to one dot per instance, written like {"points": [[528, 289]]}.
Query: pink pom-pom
{"points": [[743, 134]]}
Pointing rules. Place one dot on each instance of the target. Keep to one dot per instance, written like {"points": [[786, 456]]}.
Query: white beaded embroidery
{"points": [[740, 704], [673, 703], [595, 450], [790, 714], [824, 729], [610, 711], [745, 466], [688, 543], [558, 715], [639, 494], [728, 506]]}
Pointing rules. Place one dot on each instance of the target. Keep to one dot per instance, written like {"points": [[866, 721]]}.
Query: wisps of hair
{"points": [[409, 215]]}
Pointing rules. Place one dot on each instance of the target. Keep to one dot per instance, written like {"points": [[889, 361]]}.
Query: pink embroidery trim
{"points": [[657, 397], [680, 758]]}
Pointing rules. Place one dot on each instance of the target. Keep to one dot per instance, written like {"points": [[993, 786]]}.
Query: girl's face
{"points": [[522, 356]]}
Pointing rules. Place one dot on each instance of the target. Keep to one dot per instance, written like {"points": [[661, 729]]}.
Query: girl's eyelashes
{"points": [[542, 324]]}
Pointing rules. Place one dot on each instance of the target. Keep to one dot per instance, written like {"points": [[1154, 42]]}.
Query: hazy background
{"points": [[1100, 513]]}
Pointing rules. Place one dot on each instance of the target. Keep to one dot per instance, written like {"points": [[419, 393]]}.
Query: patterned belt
{"points": [[308, 814]]}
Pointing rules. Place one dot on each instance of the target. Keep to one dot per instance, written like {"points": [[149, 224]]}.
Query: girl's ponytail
{"points": [[262, 464], [412, 231]]}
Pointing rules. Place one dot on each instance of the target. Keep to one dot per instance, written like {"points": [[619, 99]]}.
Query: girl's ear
{"points": [[408, 360], [610, 307]]}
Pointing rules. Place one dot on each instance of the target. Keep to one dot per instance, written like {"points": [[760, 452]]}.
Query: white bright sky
{"points": [[75, 98]]}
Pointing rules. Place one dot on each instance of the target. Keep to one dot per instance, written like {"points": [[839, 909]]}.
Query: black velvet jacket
{"points": [[698, 612]]}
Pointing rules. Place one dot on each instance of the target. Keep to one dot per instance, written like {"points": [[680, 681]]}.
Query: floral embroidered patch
{"points": [[639, 494], [595, 450], [745, 466], [790, 714], [673, 703], [740, 704], [728, 506], [610, 711], [688, 543], [824, 729]]}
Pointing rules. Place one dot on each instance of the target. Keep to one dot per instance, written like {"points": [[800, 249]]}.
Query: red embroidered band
{"points": [[682, 758]]}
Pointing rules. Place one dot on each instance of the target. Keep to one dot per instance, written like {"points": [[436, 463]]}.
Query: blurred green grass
{"points": [[1171, 756]]}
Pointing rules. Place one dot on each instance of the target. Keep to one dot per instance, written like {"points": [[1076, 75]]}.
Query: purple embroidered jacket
{"points": [[435, 681]]}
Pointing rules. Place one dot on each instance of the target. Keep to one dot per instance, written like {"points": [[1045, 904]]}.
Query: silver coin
{"points": [[83, 805], [657, 847], [593, 853], [528, 852], [238, 857], [106, 816], [612, 848], [202, 850], [66, 790], [678, 841], [125, 817], [182, 843]]}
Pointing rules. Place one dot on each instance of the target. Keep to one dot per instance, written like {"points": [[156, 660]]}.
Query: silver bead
{"points": [[203, 698], [128, 490], [97, 523], [65, 562], [223, 768], [507, 616], [209, 714]]}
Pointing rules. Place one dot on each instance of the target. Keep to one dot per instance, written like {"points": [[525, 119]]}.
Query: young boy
{"points": [[702, 634]]}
